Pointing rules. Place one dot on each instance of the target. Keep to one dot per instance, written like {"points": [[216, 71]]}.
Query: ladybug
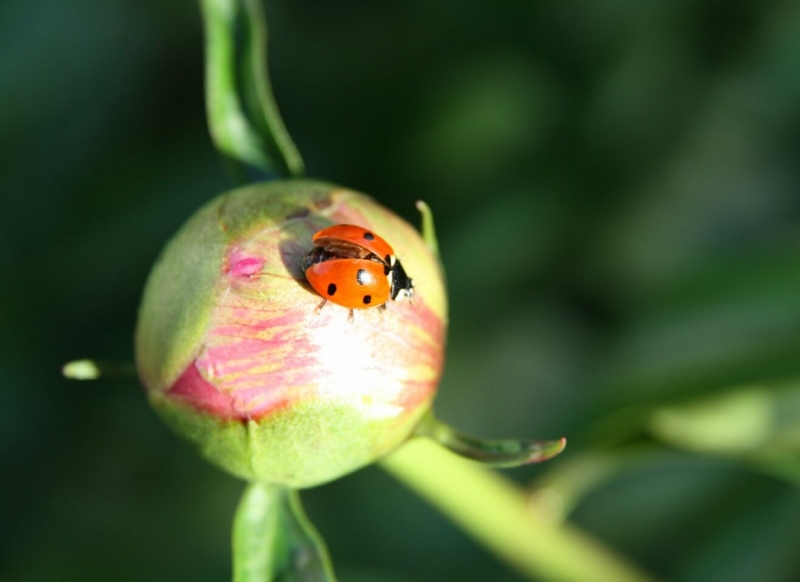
{"points": [[355, 268]]}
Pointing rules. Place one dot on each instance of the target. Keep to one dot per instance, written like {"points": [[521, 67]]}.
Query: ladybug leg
{"points": [[382, 307], [320, 306], [350, 318]]}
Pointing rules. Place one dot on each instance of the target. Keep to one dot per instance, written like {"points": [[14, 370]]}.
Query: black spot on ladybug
{"points": [[369, 236], [332, 289], [367, 299], [362, 277]]}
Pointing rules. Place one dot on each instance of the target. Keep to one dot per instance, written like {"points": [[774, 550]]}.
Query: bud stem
{"points": [[502, 519], [274, 540]]}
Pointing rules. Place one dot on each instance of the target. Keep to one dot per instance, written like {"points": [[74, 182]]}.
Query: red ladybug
{"points": [[355, 268]]}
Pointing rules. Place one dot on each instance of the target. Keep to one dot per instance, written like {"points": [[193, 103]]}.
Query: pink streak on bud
{"points": [[245, 404], [192, 387], [242, 265]]}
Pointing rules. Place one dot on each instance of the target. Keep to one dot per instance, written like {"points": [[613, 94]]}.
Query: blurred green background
{"points": [[617, 193]]}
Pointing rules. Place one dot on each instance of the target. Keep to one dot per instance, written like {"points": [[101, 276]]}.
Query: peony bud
{"points": [[236, 358]]}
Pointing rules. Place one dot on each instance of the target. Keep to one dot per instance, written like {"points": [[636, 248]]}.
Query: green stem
{"points": [[255, 529], [575, 478], [242, 116], [274, 540], [501, 518]]}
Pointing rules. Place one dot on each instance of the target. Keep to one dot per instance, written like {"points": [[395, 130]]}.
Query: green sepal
{"points": [[494, 453], [428, 228], [313, 443], [87, 369], [274, 541]]}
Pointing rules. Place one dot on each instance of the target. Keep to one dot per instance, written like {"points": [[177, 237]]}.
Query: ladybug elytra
{"points": [[355, 268]]}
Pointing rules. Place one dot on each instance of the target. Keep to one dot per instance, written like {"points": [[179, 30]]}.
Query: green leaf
{"points": [[242, 115], [758, 425], [273, 540], [736, 422]]}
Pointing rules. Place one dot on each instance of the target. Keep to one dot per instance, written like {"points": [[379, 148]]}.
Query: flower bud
{"points": [[236, 357]]}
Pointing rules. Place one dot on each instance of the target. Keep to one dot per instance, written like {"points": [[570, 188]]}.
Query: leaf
{"points": [[757, 424], [242, 115], [738, 421], [493, 453], [273, 540]]}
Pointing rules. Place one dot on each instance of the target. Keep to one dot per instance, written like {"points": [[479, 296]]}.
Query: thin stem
{"points": [[428, 229], [502, 519], [571, 481], [96, 369], [310, 552]]}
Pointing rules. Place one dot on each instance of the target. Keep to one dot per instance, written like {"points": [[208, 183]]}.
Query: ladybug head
{"points": [[401, 283]]}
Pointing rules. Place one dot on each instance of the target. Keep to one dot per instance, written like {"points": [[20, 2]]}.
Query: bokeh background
{"points": [[617, 192]]}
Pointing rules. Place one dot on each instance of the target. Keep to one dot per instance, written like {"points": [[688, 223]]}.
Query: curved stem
{"points": [[497, 515], [494, 453]]}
